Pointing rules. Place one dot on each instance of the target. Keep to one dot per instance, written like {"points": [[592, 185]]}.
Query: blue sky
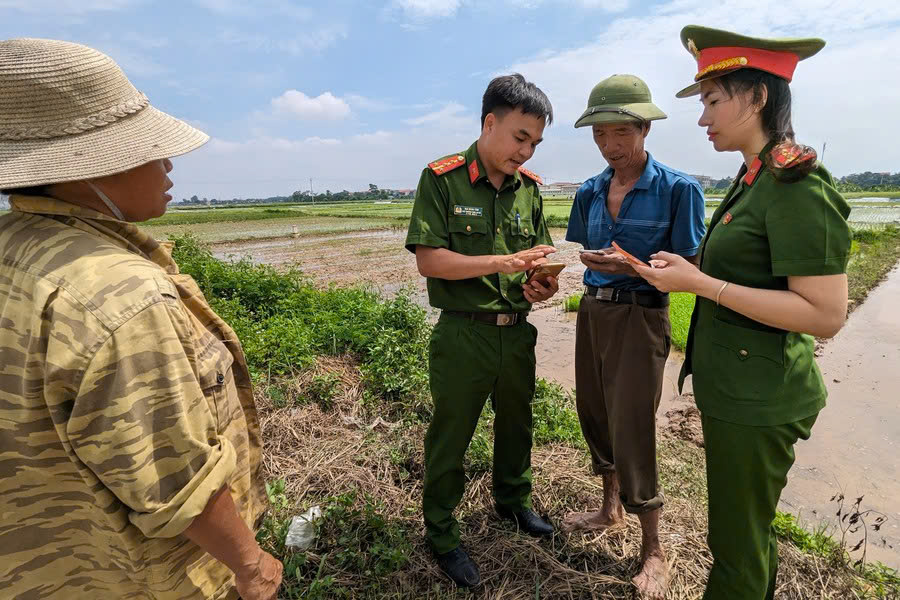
{"points": [[349, 93]]}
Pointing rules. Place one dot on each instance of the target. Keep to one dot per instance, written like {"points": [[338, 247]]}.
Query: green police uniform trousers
{"points": [[469, 361], [746, 470]]}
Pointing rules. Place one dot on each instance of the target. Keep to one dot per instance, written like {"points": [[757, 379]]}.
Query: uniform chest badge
{"points": [[468, 211], [727, 218]]}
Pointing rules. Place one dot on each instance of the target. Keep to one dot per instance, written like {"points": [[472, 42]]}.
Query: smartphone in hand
{"points": [[542, 272], [630, 258]]}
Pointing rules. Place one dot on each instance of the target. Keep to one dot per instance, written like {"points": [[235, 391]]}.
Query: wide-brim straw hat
{"points": [[620, 99], [67, 113]]}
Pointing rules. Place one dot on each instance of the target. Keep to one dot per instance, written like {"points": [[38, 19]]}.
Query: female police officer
{"points": [[771, 276]]}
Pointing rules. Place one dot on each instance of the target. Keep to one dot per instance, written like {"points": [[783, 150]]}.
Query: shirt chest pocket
{"points": [[521, 233], [216, 379], [469, 235], [651, 236]]}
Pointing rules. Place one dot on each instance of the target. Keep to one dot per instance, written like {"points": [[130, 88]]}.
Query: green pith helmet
{"points": [[620, 99], [719, 52]]}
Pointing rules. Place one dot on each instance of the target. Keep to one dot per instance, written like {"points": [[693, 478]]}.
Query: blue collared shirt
{"points": [[664, 210]]}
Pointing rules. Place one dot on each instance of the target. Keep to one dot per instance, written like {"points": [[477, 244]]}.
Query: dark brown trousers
{"points": [[620, 357]]}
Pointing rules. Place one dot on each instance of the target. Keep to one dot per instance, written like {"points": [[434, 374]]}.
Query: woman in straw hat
{"points": [[772, 275], [129, 441]]}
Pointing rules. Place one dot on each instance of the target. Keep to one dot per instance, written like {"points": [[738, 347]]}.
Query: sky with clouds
{"points": [[348, 93]]}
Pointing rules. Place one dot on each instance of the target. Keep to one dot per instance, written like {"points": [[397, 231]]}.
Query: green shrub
{"points": [[572, 303], [284, 323], [681, 305], [554, 415]]}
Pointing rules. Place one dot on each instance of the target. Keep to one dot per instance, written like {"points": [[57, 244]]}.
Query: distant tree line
{"points": [[857, 182], [304, 196]]}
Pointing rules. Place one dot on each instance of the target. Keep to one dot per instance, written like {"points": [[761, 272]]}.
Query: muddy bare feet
{"points": [[596, 521], [653, 580]]}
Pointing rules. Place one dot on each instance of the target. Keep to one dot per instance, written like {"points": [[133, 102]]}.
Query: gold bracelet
{"points": [[721, 289]]}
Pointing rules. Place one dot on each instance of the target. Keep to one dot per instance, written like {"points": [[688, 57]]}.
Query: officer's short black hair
{"points": [[510, 92]]}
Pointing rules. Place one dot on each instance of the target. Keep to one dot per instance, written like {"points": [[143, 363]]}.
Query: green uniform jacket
{"points": [[460, 210], [765, 230]]}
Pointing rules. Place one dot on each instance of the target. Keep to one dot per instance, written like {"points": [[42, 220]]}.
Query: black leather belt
{"points": [[642, 298], [498, 319]]}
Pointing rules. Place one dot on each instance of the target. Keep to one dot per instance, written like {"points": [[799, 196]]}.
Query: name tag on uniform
{"points": [[468, 211]]}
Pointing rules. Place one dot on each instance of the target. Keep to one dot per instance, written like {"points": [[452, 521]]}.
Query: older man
{"points": [[623, 333]]}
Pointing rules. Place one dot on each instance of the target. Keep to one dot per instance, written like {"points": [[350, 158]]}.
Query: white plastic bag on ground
{"points": [[302, 531]]}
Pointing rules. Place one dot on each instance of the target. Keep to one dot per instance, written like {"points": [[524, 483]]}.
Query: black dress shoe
{"points": [[528, 521], [457, 565]]}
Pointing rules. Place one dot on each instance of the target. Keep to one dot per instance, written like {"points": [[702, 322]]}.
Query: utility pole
{"points": [[823, 152], [313, 198]]}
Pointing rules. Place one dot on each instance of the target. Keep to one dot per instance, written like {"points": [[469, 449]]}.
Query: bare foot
{"points": [[653, 580], [592, 521]]}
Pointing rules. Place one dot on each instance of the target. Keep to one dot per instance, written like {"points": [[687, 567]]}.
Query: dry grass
{"points": [[321, 454]]}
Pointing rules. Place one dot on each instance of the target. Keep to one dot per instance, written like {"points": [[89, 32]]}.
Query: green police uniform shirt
{"points": [[765, 230], [458, 208]]}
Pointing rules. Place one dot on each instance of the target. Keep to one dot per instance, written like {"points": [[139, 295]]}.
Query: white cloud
{"points": [[311, 41], [322, 141], [427, 9], [323, 106], [258, 8], [372, 139], [451, 111], [69, 7], [605, 5]]}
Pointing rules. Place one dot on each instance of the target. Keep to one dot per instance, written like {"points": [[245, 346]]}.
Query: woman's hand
{"points": [[672, 273]]}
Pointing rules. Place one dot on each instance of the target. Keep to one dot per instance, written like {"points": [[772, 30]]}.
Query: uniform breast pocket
{"points": [[215, 377], [522, 234], [469, 235], [750, 362]]}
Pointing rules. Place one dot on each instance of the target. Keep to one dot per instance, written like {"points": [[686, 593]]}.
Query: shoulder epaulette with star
{"points": [[531, 175], [789, 155], [447, 164], [790, 161]]}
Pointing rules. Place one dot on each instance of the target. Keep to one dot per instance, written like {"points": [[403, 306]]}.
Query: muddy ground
{"points": [[854, 447]]}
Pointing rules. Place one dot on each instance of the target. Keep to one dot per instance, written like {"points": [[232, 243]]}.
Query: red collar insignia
{"points": [[473, 172], [753, 171]]}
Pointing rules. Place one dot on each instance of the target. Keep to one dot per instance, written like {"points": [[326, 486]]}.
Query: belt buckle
{"points": [[606, 294], [504, 320]]}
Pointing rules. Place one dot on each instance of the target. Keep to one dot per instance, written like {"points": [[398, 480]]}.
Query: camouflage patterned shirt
{"points": [[125, 404]]}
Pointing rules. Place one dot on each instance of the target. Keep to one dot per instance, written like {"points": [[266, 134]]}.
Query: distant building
{"points": [[705, 181], [561, 188]]}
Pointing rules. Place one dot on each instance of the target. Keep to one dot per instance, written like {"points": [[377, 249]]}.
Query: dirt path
{"points": [[855, 445]]}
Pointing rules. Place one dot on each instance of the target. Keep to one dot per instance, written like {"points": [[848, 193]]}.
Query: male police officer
{"points": [[477, 226]]}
